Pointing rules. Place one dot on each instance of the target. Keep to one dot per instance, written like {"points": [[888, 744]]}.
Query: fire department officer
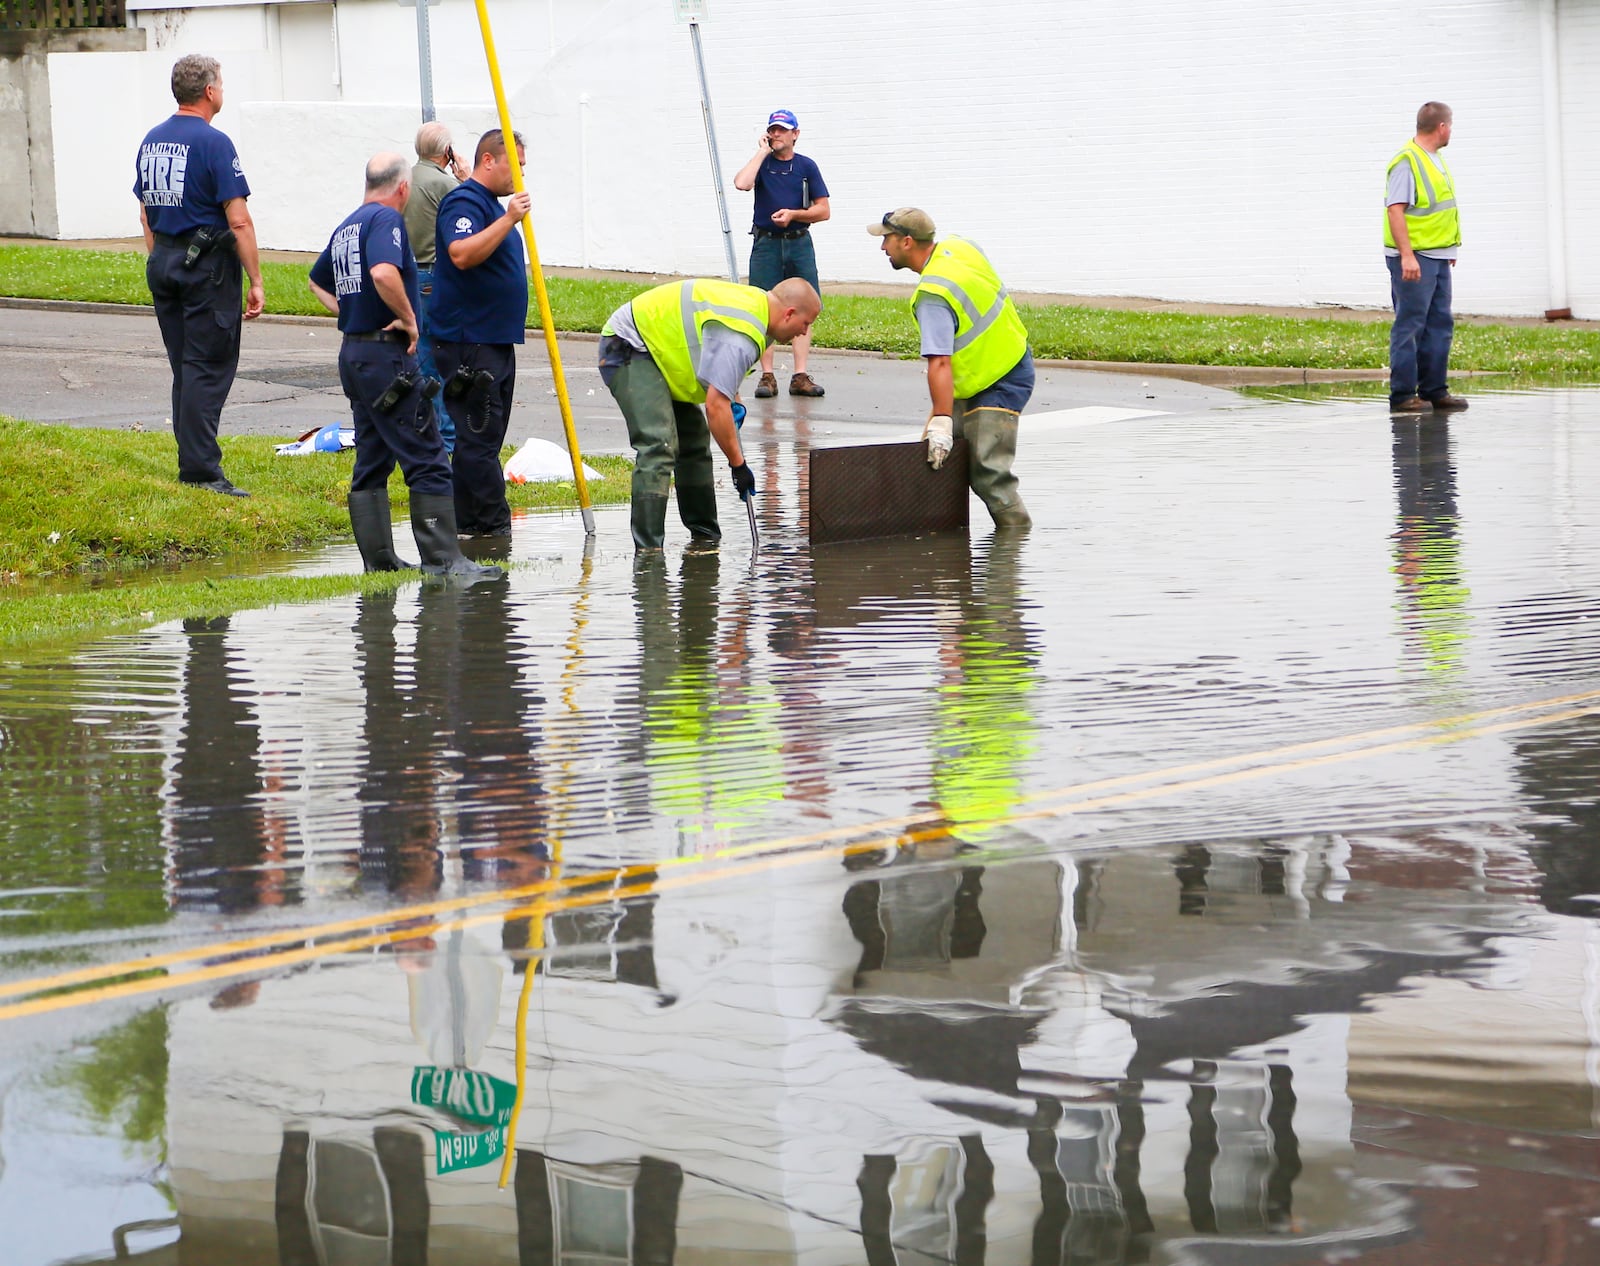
{"points": [[367, 275], [199, 238]]}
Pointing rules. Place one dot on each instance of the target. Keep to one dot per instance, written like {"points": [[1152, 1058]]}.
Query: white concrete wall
{"points": [[1229, 152]]}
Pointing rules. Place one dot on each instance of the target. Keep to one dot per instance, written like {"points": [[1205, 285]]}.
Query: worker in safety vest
{"points": [[980, 371], [667, 352], [1421, 236]]}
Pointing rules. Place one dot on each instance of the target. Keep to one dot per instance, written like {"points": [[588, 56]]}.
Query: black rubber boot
{"points": [[433, 523], [648, 519], [369, 517], [697, 507]]}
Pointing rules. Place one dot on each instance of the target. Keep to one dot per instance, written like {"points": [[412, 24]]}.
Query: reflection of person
{"points": [[1421, 238], [221, 846], [199, 236], [672, 349], [708, 723], [980, 371], [1427, 545], [437, 171], [479, 315], [367, 276], [790, 198], [447, 735]]}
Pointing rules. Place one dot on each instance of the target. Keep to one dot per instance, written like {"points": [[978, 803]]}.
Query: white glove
{"points": [[940, 434]]}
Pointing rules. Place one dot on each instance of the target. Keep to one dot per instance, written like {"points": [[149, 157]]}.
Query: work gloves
{"points": [[744, 483], [940, 434]]}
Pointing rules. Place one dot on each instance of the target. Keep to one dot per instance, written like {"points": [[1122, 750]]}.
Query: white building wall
{"points": [[1579, 33], [1224, 152]]}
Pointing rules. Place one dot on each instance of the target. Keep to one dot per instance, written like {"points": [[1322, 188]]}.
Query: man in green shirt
{"points": [[437, 172]]}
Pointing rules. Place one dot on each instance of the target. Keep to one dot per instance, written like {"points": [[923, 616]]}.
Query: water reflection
{"points": [[1037, 1062], [1342, 1009], [1427, 546]]}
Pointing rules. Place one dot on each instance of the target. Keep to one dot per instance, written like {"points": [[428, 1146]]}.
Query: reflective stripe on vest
{"points": [[990, 336], [671, 320], [1431, 219]]}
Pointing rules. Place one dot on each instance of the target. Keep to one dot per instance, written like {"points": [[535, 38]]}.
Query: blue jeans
{"points": [[1419, 340], [774, 259], [447, 427]]}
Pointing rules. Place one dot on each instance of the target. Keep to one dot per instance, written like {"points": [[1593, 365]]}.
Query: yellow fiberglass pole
{"points": [[545, 318]]}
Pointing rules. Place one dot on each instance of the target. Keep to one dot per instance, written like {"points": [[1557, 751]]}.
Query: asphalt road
{"points": [[108, 369]]}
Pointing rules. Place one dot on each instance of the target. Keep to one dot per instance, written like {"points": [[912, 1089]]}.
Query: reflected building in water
{"points": [[1078, 1061], [949, 1048]]}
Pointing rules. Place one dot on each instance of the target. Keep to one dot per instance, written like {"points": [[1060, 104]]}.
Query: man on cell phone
{"points": [[790, 198], [436, 173]]}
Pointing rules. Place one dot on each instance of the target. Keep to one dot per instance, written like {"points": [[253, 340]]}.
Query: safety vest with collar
{"points": [[1431, 218], [670, 319], [990, 336]]}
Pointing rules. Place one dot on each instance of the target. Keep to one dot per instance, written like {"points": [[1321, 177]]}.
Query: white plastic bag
{"points": [[540, 461]]}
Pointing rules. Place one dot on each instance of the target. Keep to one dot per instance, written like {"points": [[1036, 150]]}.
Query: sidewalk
{"points": [[1115, 303]]}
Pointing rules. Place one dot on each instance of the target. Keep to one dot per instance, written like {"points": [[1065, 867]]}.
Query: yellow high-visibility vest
{"points": [[671, 318], [990, 336], [1431, 219]]}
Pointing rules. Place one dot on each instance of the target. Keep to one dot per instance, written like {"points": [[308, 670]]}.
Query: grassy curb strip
{"points": [[63, 618], [108, 502], [1548, 353], [79, 498]]}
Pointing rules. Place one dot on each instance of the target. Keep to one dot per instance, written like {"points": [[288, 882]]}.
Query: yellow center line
{"points": [[763, 854]]}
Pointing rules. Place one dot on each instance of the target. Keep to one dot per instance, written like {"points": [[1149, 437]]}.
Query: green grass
{"points": [[73, 499], [1549, 353], [62, 617], [86, 515]]}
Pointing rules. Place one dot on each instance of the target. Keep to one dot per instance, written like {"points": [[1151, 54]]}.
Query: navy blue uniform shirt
{"points": [[186, 171], [371, 234], [784, 186], [486, 304]]}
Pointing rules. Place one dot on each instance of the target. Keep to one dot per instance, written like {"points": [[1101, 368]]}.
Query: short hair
{"points": [[1431, 115], [492, 142], [385, 172], [433, 138], [192, 74]]}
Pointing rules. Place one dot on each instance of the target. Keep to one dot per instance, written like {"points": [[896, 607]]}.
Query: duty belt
{"points": [[378, 336], [788, 235], [167, 239]]}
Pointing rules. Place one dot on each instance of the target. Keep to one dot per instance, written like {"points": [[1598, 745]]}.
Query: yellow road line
{"points": [[766, 854]]}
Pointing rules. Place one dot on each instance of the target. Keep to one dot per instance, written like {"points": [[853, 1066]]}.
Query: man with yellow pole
{"points": [[479, 316], [546, 317], [669, 351]]}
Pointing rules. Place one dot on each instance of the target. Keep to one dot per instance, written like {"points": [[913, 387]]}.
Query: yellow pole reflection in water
{"points": [[569, 696]]}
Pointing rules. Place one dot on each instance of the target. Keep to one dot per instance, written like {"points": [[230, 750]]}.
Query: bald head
{"points": [[388, 180], [433, 139], [792, 306]]}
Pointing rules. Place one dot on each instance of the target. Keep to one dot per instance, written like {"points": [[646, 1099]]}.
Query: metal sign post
{"points": [[424, 56], [693, 12]]}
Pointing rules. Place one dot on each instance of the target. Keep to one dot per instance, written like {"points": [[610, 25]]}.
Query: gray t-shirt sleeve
{"points": [[1402, 187], [937, 321], [726, 356]]}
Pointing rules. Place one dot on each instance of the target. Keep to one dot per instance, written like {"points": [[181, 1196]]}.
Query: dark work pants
{"points": [[198, 310], [480, 420], [1419, 340], [447, 428], [406, 434], [671, 437]]}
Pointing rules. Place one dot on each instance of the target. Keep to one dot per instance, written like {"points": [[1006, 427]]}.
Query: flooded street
{"points": [[1209, 875]]}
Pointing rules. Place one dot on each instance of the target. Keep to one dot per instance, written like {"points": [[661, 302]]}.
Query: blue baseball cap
{"points": [[783, 118]]}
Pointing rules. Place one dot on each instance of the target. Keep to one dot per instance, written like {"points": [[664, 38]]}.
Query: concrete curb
{"points": [[1206, 375]]}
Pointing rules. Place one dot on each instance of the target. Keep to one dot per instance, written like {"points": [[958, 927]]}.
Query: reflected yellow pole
{"points": [[569, 678], [546, 319], [535, 942]]}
